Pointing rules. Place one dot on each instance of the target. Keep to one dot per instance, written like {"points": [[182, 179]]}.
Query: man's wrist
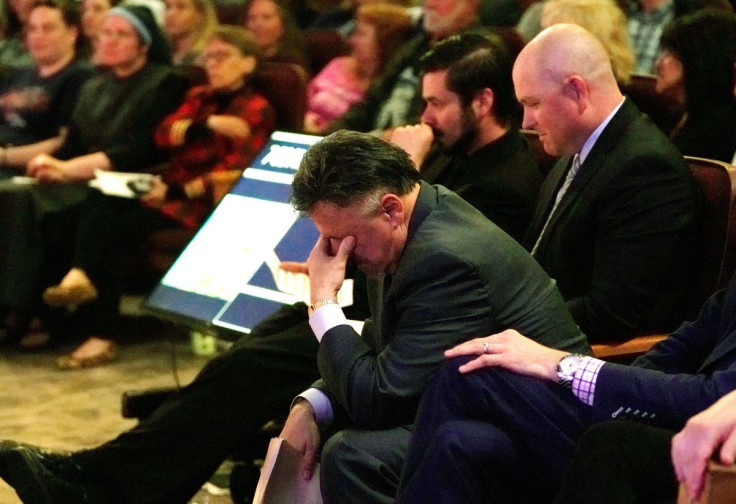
{"points": [[303, 407], [319, 406], [320, 303]]}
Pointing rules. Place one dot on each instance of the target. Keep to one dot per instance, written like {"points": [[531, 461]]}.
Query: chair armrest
{"points": [[629, 348], [720, 486]]}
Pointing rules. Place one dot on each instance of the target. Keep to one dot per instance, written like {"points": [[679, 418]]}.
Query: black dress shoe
{"points": [[40, 477]]}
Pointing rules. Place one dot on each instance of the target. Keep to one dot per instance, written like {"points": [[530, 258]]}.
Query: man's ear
{"points": [[576, 89], [482, 103], [393, 208]]}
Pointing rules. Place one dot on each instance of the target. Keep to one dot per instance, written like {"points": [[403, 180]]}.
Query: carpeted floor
{"points": [[80, 409]]}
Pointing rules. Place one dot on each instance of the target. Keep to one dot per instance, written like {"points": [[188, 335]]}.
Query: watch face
{"points": [[569, 365]]}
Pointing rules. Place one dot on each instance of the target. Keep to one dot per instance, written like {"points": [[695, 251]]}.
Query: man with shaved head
{"points": [[501, 418], [615, 219]]}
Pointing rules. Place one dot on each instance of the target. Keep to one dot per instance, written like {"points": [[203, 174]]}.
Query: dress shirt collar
{"points": [[593, 138]]}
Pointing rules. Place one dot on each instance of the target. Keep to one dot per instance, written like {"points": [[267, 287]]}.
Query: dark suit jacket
{"points": [[501, 179], [680, 376], [459, 277], [621, 240]]}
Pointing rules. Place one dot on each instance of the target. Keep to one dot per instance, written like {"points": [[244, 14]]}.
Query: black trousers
{"points": [[491, 436], [107, 230], [621, 463], [166, 458]]}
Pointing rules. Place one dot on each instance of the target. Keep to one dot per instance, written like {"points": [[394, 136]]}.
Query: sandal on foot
{"points": [[76, 295], [81, 358]]}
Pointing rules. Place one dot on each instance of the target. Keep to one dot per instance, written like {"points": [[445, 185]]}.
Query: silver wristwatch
{"points": [[566, 368]]}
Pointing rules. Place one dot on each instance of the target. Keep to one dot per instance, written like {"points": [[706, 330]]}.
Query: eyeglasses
{"points": [[217, 56]]}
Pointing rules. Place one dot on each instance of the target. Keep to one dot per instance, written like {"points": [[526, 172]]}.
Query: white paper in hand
{"points": [[281, 482], [122, 185]]}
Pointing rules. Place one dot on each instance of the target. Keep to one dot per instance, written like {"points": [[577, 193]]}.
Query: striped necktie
{"points": [[565, 186]]}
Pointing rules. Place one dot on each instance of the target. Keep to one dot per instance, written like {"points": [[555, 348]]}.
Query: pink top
{"points": [[331, 92]]}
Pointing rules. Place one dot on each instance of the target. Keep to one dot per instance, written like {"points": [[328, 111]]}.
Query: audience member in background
{"points": [[696, 70], [380, 30], [342, 17], [618, 230], [13, 52], [469, 137], [219, 127], [627, 463], [93, 14], [189, 25], [647, 20], [602, 18], [272, 25], [111, 128], [36, 102], [501, 12], [529, 24], [394, 99], [137, 89]]}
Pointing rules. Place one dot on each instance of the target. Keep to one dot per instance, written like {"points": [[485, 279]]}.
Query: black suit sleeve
{"points": [[434, 311], [667, 385]]}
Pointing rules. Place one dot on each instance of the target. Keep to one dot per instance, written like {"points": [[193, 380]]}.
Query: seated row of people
{"points": [[126, 119]]}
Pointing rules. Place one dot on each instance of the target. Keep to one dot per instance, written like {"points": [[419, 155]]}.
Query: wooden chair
{"points": [[285, 87], [322, 46], [720, 486], [663, 112], [716, 257]]}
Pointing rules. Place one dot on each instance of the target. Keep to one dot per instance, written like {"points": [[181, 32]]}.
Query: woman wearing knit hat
{"points": [[111, 129]]}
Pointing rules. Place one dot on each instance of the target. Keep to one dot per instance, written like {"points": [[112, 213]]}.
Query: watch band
{"points": [[320, 304]]}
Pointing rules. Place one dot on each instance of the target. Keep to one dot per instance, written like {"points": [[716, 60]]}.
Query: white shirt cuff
{"points": [[325, 318], [321, 406]]}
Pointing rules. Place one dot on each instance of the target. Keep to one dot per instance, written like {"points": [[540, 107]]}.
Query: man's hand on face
{"points": [[326, 265]]}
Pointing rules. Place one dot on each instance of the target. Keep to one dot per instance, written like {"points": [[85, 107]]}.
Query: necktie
{"points": [[565, 186]]}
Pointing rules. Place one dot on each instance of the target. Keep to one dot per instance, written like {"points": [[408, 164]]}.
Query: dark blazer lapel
{"points": [[607, 141], [727, 346], [546, 200]]}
